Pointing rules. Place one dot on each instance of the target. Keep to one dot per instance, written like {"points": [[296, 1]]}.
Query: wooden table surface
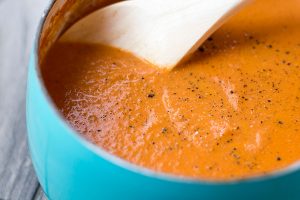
{"points": [[18, 23]]}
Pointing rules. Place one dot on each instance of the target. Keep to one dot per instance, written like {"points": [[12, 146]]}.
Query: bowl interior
{"points": [[61, 15]]}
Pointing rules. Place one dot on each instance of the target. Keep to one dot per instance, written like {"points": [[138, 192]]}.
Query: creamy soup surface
{"points": [[231, 111]]}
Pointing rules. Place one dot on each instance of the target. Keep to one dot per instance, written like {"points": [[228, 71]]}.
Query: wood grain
{"points": [[18, 22]]}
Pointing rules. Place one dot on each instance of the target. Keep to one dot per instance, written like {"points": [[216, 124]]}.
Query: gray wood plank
{"points": [[18, 21]]}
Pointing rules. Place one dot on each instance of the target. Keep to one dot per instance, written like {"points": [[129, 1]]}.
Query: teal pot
{"points": [[70, 168]]}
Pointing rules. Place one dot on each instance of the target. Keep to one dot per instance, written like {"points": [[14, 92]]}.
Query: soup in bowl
{"points": [[105, 124]]}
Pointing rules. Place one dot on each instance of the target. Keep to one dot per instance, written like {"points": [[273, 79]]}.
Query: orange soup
{"points": [[231, 111]]}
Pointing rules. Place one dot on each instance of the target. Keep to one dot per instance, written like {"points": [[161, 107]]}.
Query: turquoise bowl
{"points": [[70, 168]]}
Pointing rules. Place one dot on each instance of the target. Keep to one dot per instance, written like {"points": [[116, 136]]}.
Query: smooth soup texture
{"points": [[232, 111]]}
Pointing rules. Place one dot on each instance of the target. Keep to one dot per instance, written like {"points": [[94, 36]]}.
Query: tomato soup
{"points": [[231, 111]]}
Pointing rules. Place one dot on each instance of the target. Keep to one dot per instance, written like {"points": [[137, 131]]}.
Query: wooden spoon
{"points": [[163, 32]]}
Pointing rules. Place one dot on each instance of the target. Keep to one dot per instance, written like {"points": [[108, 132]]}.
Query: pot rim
{"points": [[126, 165]]}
